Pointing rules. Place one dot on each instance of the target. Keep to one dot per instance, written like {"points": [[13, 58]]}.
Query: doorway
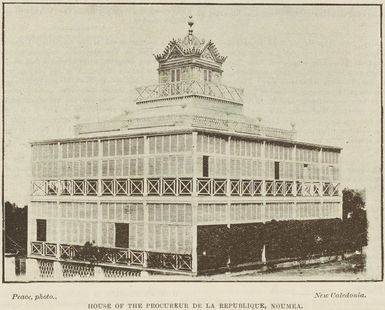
{"points": [[122, 233], [205, 166], [41, 230], [276, 170]]}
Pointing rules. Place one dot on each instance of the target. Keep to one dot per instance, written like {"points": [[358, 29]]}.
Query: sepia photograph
{"points": [[192, 143]]}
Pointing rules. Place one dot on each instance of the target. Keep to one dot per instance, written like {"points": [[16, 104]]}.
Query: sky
{"points": [[316, 66]]}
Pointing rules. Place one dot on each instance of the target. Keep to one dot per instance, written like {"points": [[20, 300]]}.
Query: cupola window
{"points": [[207, 75], [175, 75]]}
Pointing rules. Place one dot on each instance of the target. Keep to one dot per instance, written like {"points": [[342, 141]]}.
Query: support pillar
{"points": [[263, 185], [194, 244], [57, 271], [228, 167], [31, 269], [99, 193], [194, 207], [9, 268], [145, 234], [98, 273]]}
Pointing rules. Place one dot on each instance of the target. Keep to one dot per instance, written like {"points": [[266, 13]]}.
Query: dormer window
{"points": [[175, 75]]}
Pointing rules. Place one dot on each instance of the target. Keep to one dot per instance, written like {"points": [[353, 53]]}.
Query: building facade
{"points": [[145, 188]]}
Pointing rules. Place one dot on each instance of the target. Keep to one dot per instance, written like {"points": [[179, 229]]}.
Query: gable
{"points": [[175, 53], [207, 55]]}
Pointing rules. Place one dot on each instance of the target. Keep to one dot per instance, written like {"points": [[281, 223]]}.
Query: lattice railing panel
{"points": [[72, 270], [37, 248], [170, 261], [39, 188], [45, 268], [189, 87], [119, 273], [184, 186], [204, 187]]}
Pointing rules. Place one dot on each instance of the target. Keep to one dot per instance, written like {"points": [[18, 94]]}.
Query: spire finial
{"points": [[190, 23]]}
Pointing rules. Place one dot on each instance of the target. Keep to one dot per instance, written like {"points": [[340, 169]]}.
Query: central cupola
{"points": [[190, 67]]}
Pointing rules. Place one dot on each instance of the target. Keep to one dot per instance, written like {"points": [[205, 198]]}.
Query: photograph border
{"points": [[7, 3]]}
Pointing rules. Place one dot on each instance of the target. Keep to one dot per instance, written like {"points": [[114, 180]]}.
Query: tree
{"points": [[15, 226], [355, 217]]}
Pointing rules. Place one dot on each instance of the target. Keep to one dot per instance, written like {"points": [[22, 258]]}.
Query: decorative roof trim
{"points": [[190, 51]]}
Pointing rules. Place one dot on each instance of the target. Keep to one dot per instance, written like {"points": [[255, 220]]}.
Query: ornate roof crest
{"points": [[190, 45]]}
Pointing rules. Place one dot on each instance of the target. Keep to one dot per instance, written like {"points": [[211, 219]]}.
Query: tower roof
{"points": [[190, 45]]}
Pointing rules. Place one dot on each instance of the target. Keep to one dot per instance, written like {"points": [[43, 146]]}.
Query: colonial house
{"points": [[149, 189]]}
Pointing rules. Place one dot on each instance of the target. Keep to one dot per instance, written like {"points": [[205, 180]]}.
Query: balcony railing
{"points": [[80, 253], [111, 256], [184, 187], [191, 87]]}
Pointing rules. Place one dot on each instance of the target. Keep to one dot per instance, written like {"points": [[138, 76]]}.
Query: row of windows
{"points": [[245, 212], [307, 155], [279, 211], [307, 172], [67, 231], [117, 212], [64, 210], [252, 212], [47, 169], [170, 213], [80, 149], [330, 173], [170, 144], [119, 147], [174, 166], [45, 152], [178, 143], [170, 166], [245, 148], [329, 157], [76, 169], [135, 236], [158, 145], [279, 170], [245, 168], [317, 210], [217, 166], [211, 144], [122, 212], [312, 172], [161, 238], [122, 167], [275, 151], [169, 238], [211, 213], [66, 169]]}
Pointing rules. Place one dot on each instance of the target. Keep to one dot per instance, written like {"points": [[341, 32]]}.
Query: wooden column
{"points": [[145, 194], [228, 167], [294, 163], [263, 185], [320, 172], [194, 164], [59, 168], [145, 165], [99, 193], [194, 206], [228, 178]]}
